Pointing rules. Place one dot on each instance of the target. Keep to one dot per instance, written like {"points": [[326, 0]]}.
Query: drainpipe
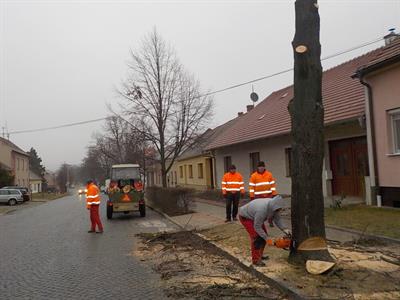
{"points": [[375, 191]]}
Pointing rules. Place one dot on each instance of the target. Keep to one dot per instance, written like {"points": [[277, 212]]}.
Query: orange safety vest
{"points": [[262, 185], [92, 195], [232, 183]]}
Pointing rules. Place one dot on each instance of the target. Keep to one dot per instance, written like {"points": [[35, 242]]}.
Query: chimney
{"points": [[391, 37], [240, 114], [249, 107]]}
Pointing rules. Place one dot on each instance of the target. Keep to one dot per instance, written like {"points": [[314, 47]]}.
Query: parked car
{"points": [[11, 197], [25, 192]]}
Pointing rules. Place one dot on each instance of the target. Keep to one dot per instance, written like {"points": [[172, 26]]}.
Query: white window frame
{"points": [[394, 116]]}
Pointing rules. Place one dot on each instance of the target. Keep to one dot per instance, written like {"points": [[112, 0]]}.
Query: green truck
{"points": [[125, 191]]}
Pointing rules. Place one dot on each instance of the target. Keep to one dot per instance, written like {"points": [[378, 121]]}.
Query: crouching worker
{"points": [[253, 215]]}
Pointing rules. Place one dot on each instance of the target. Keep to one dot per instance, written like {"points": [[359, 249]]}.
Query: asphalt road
{"points": [[46, 253]]}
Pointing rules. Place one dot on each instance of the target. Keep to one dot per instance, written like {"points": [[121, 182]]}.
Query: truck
{"points": [[125, 190]]}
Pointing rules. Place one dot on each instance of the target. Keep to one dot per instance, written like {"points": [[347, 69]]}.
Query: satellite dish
{"points": [[254, 97]]}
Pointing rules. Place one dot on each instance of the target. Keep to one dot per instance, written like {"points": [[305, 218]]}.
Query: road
{"points": [[46, 253]]}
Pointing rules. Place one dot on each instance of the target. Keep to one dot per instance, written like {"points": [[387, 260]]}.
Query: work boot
{"points": [[91, 231], [234, 219], [227, 220], [259, 264], [100, 231], [265, 257]]}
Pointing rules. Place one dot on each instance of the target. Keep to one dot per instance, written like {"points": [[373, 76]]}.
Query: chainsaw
{"points": [[281, 243]]}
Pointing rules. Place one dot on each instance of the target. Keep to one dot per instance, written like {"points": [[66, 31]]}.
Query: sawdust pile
{"points": [[192, 269]]}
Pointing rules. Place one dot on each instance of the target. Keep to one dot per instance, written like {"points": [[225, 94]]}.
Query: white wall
{"points": [[272, 152]]}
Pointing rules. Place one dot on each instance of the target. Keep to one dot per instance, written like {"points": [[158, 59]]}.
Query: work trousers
{"points": [[95, 218], [256, 254], [232, 205]]}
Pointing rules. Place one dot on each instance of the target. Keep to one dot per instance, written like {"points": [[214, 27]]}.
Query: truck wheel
{"points": [[142, 210], [109, 212]]}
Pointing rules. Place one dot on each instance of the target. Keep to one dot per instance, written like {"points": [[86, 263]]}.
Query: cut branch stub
{"points": [[301, 49]]}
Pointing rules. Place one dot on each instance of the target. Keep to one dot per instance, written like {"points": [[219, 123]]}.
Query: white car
{"points": [[11, 197]]}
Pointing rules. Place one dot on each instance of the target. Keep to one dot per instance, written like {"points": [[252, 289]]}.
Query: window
{"points": [[227, 163], [200, 170], [254, 160], [181, 171], [288, 159], [23, 165], [190, 171], [176, 178], [395, 124], [17, 163]]}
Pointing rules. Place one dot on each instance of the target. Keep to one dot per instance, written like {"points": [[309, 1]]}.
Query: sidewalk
{"points": [[210, 213]]}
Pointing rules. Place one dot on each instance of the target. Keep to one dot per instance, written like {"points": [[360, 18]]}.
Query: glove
{"points": [[287, 232], [259, 242]]}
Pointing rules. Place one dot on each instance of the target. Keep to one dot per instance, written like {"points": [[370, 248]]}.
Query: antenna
{"points": [[253, 95]]}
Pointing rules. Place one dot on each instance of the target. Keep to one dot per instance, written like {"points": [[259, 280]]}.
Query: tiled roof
{"points": [[343, 99], [205, 139], [384, 54], [13, 146]]}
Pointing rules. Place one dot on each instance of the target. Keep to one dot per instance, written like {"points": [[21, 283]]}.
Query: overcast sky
{"points": [[62, 60]]}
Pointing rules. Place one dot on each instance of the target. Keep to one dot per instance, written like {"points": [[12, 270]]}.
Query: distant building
{"points": [[50, 182], [16, 160], [35, 182]]}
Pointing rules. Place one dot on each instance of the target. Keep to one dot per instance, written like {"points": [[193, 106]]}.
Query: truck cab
{"points": [[125, 190]]}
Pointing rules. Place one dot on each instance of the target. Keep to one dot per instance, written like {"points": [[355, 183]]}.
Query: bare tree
{"points": [[307, 114], [165, 103]]}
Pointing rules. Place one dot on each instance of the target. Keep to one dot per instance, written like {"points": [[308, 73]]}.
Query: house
{"points": [[381, 78], [263, 133], [50, 182], [195, 167], [16, 160], [35, 182]]}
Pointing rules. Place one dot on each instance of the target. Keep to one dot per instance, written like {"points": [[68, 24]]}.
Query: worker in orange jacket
{"points": [[232, 188], [93, 204], [262, 183]]}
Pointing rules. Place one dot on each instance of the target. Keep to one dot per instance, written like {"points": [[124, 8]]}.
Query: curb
{"points": [[290, 292]]}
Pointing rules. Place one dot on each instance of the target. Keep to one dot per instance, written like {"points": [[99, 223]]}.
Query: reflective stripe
{"points": [[224, 188], [273, 189], [223, 182], [263, 192], [242, 188], [272, 182], [262, 183], [232, 189], [91, 197], [234, 182], [252, 184], [251, 191], [89, 203]]}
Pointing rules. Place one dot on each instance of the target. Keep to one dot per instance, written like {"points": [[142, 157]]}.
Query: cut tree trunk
{"points": [[307, 115]]}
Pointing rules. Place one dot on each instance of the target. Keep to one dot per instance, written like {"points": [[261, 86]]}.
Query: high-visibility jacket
{"points": [[262, 185], [92, 195], [232, 183]]}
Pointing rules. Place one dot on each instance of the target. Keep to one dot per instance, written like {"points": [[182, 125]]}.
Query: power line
{"points": [[210, 93], [59, 126]]}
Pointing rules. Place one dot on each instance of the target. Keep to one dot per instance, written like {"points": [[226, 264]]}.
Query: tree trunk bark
{"points": [[307, 115]]}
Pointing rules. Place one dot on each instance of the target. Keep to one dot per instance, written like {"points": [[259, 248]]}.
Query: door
{"points": [[349, 164]]}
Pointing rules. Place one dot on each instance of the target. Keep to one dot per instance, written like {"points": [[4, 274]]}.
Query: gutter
{"points": [[376, 190]]}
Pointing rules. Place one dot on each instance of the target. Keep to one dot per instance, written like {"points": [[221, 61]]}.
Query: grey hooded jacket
{"points": [[261, 209]]}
